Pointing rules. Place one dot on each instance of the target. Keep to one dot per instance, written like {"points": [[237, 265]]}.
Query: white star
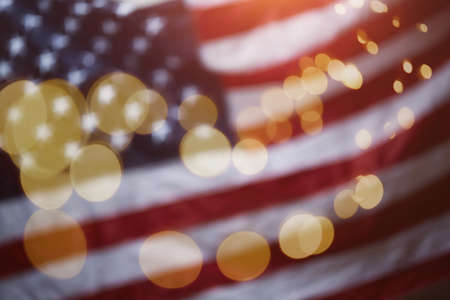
{"points": [[26, 160], [88, 59], [133, 111], [140, 44], [4, 4], [71, 25], [16, 45], [76, 77], [106, 94], [154, 25], [89, 122], [161, 77], [31, 21], [43, 132], [160, 134], [5, 69], [59, 41], [71, 149], [81, 8], [189, 91], [46, 61], [14, 114], [119, 139], [60, 106]]}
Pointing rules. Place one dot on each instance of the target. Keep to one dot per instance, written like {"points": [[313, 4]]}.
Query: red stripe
{"points": [[399, 283], [198, 209], [345, 46], [240, 16], [356, 232], [377, 90]]}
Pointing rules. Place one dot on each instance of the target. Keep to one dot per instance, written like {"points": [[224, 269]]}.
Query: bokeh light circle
{"points": [[205, 151], [314, 81], [276, 104], [249, 156], [368, 191], [197, 110], [156, 111], [344, 204], [243, 256], [170, 259], [55, 244], [96, 173], [327, 234]]}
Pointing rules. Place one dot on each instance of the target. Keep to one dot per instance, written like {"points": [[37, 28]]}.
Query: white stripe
{"points": [[143, 188], [344, 270], [407, 44], [400, 181], [279, 41]]}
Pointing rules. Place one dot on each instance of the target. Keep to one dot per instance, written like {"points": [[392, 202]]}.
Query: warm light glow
{"points": [[305, 62], [292, 86], [96, 173], [407, 66], [276, 105], [243, 256], [352, 77], [49, 193], [279, 132], [372, 47], [336, 69], [197, 110], [362, 36], [363, 139], [205, 151], [55, 244], [357, 3], [378, 6], [340, 9], [108, 97], [425, 71], [309, 103], [249, 156], [398, 86], [396, 22], [300, 236], [344, 205], [368, 191], [322, 60], [311, 122], [314, 81], [422, 27], [253, 123], [170, 259], [327, 235], [405, 117]]}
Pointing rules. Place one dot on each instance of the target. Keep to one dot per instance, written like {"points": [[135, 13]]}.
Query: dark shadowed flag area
{"points": [[224, 149]]}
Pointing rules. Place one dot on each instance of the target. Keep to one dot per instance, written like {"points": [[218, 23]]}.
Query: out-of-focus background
{"points": [[224, 149]]}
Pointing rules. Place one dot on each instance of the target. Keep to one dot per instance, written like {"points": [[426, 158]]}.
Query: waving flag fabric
{"points": [[233, 51]]}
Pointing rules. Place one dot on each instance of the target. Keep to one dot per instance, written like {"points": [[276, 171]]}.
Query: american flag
{"points": [[233, 52]]}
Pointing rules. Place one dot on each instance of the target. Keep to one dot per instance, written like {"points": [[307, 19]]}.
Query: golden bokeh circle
{"points": [[55, 244], [372, 47], [249, 156], [396, 22], [156, 111], [253, 123], [336, 69], [96, 173], [170, 259], [425, 71], [279, 132], [327, 234], [405, 117], [368, 191], [352, 77], [344, 205], [276, 104], [197, 110], [47, 193], [322, 60], [311, 122], [243, 256], [407, 66], [205, 151], [397, 86], [362, 36], [292, 86], [309, 103], [314, 81], [108, 97], [300, 236], [363, 139]]}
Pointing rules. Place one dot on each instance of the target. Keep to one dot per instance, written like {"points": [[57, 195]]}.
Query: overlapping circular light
{"points": [[156, 112], [170, 259], [249, 156], [314, 81], [243, 256], [363, 139], [276, 104], [55, 244], [405, 117], [344, 204], [205, 151], [96, 173], [368, 191], [197, 110]]}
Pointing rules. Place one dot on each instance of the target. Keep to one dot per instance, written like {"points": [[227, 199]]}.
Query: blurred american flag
{"points": [[232, 51]]}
